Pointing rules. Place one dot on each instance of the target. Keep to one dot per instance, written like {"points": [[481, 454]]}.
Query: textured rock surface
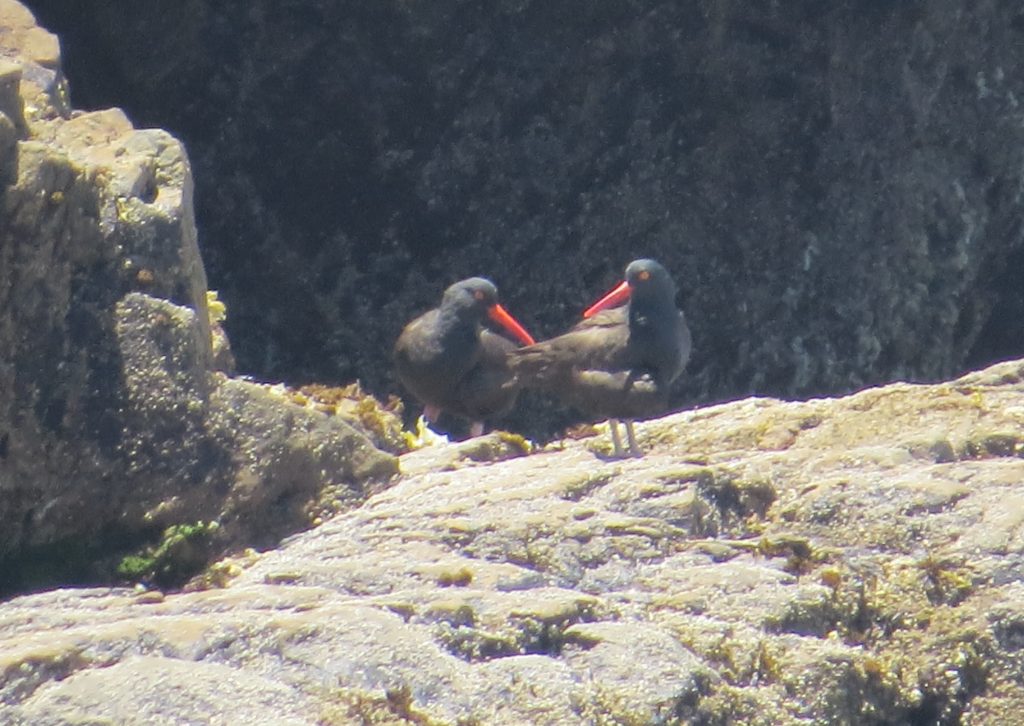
{"points": [[856, 560], [113, 423], [838, 188]]}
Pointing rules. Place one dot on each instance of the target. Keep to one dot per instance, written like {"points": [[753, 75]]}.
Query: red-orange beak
{"points": [[613, 298], [499, 315]]}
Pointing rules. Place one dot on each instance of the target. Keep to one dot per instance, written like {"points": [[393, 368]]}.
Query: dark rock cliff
{"points": [[837, 188]]}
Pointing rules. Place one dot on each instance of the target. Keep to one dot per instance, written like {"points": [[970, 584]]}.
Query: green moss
{"points": [[135, 567], [183, 550]]}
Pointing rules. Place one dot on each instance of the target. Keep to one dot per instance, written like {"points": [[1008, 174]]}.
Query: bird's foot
{"points": [[617, 450], [431, 413], [476, 428], [634, 449]]}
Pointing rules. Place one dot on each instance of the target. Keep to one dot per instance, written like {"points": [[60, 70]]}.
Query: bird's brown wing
{"points": [[593, 369], [598, 343], [489, 388], [620, 394]]}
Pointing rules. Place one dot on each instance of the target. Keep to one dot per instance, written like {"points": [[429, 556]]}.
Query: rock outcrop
{"points": [[856, 560], [848, 560], [114, 423], [837, 189]]}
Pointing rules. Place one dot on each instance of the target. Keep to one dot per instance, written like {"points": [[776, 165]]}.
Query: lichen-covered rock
{"points": [[766, 563], [146, 689], [114, 425], [852, 560]]}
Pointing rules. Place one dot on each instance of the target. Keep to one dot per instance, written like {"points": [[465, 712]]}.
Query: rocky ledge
{"points": [[118, 422], [852, 560]]}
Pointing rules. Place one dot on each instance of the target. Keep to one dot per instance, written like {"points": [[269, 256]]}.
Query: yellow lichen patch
{"points": [[216, 309], [393, 707], [581, 431], [942, 660], [777, 437], [220, 574], [423, 436], [904, 595], [675, 479], [453, 611], [330, 501], [649, 527], [681, 602], [462, 525], [150, 597], [992, 444], [381, 421], [947, 581], [495, 446], [570, 608], [455, 578], [800, 555], [830, 577], [578, 485], [283, 578], [516, 441], [447, 574], [402, 609]]}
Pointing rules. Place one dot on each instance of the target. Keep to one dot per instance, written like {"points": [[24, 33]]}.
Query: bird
{"points": [[448, 360], [617, 363]]}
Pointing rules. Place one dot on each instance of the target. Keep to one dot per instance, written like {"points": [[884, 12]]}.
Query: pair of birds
{"points": [[618, 363]]}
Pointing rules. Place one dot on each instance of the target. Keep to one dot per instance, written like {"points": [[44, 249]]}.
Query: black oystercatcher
{"points": [[450, 362], [618, 363]]}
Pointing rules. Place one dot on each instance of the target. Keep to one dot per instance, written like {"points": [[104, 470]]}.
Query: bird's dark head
{"points": [[645, 280], [474, 295], [474, 298], [648, 279]]}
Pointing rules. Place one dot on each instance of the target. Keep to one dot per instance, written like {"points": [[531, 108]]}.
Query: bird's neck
{"points": [[648, 315], [653, 337], [458, 325]]}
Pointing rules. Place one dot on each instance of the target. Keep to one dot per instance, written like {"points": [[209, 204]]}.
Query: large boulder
{"points": [[836, 187], [114, 424], [843, 561]]}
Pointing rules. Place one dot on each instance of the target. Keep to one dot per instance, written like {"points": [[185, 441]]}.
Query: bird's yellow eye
{"points": [[644, 275]]}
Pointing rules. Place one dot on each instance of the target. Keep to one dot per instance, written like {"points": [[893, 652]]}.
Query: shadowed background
{"points": [[837, 191]]}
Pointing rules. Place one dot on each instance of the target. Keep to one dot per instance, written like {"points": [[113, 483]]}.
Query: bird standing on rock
{"points": [[450, 362], [617, 363]]}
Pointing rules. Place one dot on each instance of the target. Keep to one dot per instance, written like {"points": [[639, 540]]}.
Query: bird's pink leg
{"points": [[431, 413], [613, 426], [634, 449], [476, 429]]}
